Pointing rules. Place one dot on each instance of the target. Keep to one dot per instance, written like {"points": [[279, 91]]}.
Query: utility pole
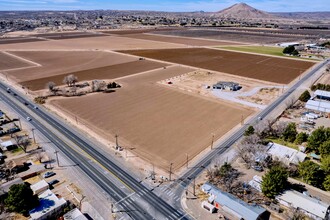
{"points": [[82, 198], [187, 159], [170, 177], [242, 120], [58, 163], [76, 119], [20, 124], [116, 136], [34, 139], [212, 141], [194, 188]]}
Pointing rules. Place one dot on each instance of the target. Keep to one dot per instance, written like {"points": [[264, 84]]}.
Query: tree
{"points": [[249, 131], [288, 49], [326, 183], [317, 137], [20, 199], [290, 132], [22, 141], [51, 87], [325, 164], [70, 80], [279, 128], [305, 96], [274, 181], [324, 148], [301, 138], [311, 173]]}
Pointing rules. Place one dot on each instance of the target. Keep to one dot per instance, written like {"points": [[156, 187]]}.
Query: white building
{"points": [[74, 214], [321, 104], [285, 154], [49, 205], [310, 206], [39, 187]]}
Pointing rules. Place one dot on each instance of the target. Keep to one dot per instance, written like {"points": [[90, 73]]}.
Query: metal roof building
{"points": [[229, 203], [310, 206], [285, 154], [322, 106]]}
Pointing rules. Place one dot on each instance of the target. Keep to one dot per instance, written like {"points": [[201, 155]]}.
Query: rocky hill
{"points": [[243, 11]]}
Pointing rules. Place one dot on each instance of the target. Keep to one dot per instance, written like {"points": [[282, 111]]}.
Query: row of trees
{"points": [[71, 80]]}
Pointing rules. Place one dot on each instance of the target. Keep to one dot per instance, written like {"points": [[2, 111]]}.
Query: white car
{"points": [[28, 118]]}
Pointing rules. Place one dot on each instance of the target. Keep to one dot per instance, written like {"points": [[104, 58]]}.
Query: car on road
{"points": [[48, 174], [28, 118], [35, 107], [25, 103]]}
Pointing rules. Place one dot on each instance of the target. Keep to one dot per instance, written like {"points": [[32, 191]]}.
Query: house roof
{"points": [[322, 106], [241, 208], [74, 214], [39, 186], [285, 153], [322, 93], [301, 201], [48, 202]]}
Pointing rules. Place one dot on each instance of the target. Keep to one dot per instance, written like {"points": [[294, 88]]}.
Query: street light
{"points": [[34, 139]]}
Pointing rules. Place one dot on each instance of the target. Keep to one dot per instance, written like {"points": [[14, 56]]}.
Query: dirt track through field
{"points": [[63, 62], [10, 62], [259, 67], [162, 124]]}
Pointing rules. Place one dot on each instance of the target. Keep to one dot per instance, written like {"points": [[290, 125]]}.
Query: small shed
{"points": [[39, 187], [209, 207], [6, 145]]}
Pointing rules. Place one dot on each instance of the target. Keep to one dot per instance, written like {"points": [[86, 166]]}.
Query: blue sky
{"points": [[164, 5]]}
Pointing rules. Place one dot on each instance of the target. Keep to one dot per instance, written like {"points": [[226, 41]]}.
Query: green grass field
{"points": [[275, 51]]}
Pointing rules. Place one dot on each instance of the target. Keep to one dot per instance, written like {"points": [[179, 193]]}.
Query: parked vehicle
{"points": [[48, 174]]}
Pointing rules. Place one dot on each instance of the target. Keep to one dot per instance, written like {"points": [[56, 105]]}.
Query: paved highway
{"points": [[132, 208], [192, 173]]}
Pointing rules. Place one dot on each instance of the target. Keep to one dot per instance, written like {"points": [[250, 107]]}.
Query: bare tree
{"points": [[250, 149], [98, 85], [279, 128], [23, 142], [51, 87], [290, 102], [70, 80], [262, 129]]}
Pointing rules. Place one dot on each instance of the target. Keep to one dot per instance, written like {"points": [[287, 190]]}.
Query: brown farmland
{"points": [[107, 72], [161, 124], [91, 43], [9, 62], [272, 69], [180, 40], [16, 40], [61, 62]]}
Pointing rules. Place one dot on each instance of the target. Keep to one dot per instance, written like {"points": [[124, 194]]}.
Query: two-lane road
{"points": [[162, 209]]}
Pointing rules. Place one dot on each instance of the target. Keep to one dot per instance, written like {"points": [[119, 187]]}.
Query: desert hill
{"points": [[243, 11]]}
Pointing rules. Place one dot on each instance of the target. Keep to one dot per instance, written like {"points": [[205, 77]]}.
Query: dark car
{"points": [[53, 182], [48, 174]]}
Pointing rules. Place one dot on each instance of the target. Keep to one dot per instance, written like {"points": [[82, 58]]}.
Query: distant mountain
{"points": [[304, 15], [243, 11]]}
